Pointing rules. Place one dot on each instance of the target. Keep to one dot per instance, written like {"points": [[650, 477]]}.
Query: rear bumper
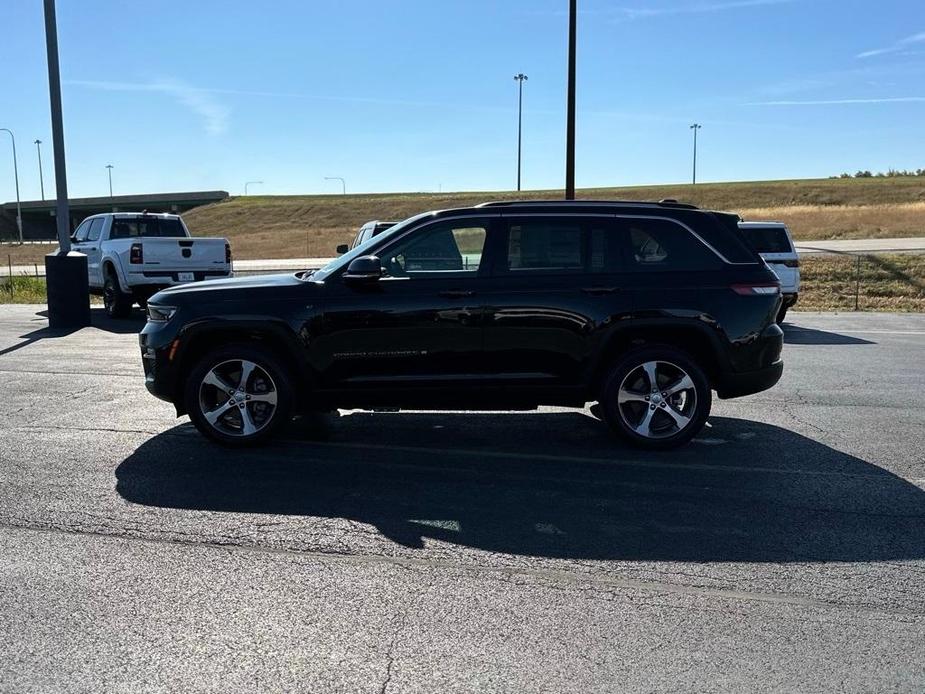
{"points": [[790, 299], [735, 385]]}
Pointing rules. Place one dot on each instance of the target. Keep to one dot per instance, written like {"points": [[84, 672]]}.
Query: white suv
{"points": [[772, 240]]}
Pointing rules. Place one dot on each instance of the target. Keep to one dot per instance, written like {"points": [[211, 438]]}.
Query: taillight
{"points": [[792, 263], [764, 289], [228, 253], [136, 254]]}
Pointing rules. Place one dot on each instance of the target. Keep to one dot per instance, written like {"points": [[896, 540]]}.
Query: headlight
{"points": [[160, 314]]}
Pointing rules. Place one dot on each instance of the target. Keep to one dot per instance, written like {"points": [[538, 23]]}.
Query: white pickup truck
{"points": [[132, 255]]}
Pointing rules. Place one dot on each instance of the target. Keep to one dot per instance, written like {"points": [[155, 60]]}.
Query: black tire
{"points": [[782, 314], [691, 403], [116, 303], [229, 429]]}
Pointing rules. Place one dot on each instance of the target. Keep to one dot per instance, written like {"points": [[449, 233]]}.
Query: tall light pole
{"points": [[109, 170], [570, 99], [343, 183], [521, 78], [695, 127], [252, 183], [16, 179], [66, 272], [38, 148]]}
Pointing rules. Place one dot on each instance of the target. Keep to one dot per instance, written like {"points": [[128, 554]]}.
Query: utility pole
{"points": [[695, 127], [521, 78], [570, 110], [38, 148], [251, 183], [16, 179], [66, 272], [109, 169]]}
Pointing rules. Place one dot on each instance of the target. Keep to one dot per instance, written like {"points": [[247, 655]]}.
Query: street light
{"points": [[65, 272], [570, 104], [38, 148], [343, 183], [109, 170], [16, 178], [520, 78], [251, 183], [695, 127]]}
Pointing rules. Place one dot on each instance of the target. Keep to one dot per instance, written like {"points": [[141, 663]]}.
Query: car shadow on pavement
{"points": [[550, 484], [795, 335], [98, 320]]}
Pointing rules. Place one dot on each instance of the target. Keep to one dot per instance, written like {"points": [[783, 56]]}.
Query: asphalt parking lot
{"points": [[783, 550]]}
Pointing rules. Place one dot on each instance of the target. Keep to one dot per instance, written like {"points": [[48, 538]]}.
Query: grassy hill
{"points": [[312, 225], [293, 226]]}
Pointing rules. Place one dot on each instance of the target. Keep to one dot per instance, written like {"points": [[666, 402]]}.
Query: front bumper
{"points": [[158, 367]]}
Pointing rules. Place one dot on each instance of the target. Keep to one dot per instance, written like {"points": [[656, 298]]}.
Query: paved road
{"points": [[783, 550], [853, 246]]}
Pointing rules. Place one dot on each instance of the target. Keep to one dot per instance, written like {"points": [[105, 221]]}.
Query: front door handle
{"points": [[457, 293], [599, 290]]}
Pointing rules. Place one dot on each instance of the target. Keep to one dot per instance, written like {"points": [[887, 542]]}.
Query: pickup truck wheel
{"points": [[238, 395], [116, 303], [782, 314], [656, 398]]}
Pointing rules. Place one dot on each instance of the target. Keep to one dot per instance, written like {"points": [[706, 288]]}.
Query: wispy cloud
{"points": [[896, 47], [201, 102], [840, 102], [693, 8], [200, 99]]}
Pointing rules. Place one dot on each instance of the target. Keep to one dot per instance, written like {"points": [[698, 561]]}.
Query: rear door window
{"points": [[768, 239], [661, 245]]}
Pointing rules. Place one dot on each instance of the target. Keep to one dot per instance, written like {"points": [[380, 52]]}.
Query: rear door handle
{"points": [[457, 293], [599, 290]]}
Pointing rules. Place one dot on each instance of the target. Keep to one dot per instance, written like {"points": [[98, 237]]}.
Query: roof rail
{"points": [[636, 203]]}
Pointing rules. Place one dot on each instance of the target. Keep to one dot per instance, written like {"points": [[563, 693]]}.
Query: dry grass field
{"points": [[313, 225], [887, 283]]}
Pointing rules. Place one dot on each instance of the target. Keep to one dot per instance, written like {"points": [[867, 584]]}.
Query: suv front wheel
{"points": [[656, 397], [238, 395]]}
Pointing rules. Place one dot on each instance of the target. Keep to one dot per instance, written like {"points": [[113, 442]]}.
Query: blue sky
{"points": [[419, 95]]}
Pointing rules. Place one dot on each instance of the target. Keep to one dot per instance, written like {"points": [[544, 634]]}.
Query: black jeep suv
{"points": [[645, 308]]}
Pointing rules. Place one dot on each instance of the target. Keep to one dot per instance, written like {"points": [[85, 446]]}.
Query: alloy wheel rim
{"points": [[657, 399], [238, 398]]}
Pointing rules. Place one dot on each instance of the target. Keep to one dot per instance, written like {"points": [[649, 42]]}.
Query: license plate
{"points": [[186, 277]]}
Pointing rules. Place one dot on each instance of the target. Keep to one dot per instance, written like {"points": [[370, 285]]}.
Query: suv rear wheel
{"points": [[656, 397], [238, 395]]}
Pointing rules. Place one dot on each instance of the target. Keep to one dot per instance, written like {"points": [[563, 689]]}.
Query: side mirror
{"points": [[363, 270], [343, 248]]}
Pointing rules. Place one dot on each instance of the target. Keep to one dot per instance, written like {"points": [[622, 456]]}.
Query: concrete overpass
{"points": [[38, 216]]}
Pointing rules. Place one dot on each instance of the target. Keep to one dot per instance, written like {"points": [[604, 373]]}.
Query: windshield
{"points": [[344, 260]]}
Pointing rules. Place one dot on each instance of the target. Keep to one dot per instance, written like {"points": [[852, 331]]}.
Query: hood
{"points": [[231, 289]]}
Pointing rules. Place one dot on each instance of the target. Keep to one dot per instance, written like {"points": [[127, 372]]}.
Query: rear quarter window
{"points": [[661, 245]]}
